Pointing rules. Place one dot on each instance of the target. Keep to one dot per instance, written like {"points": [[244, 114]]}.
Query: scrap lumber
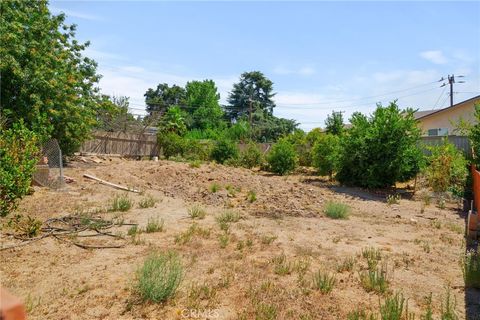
{"points": [[113, 185]]}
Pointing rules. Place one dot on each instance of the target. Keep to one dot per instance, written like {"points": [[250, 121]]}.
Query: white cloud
{"points": [[75, 14], [434, 56], [302, 71]]}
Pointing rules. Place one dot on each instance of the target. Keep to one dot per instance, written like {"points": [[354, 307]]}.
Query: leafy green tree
{"points": [[173, 121], [202, 100], [253, 92], [474, 136], [334, 123], [18, 157], [326, 154], [282, 158], [158, 100], [46, 81], [268, 128], [380, 150], [446, 169]]}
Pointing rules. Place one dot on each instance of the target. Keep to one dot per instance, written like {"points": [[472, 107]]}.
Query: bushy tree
{"points": [[202, 101], [160, 99], [252, 156], [446, 169], [46, 81], [334, 123], [326, 154], [223, 150], [173, 121], [380, 150], [282, 157], [171, 144], [253, 92], [18, 156]]}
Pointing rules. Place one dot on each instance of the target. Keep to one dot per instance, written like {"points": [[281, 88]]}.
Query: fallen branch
{"points": [[113, 185]]}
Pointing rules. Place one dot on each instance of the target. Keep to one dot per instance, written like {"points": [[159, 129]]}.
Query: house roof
{"points": [[426, 113]]}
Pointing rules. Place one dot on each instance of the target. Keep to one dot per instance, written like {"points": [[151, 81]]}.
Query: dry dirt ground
{"points": [[242, 280]]}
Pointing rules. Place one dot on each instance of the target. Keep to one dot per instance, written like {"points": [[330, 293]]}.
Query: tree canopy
{"points": [[334, 123], [202, 102], [163, 97], [253, 89], [46, 81], [380, 150]]}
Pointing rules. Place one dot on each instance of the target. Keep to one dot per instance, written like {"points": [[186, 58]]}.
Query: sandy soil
{"points": [[61, 281]]}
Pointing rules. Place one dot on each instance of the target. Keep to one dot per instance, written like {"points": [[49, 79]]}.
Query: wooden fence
{"points": [[125, 144], [462, 143]]}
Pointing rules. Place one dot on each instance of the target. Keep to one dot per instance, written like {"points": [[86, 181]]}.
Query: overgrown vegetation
{"points": [[447, 169], [471, 269], [159, 277], [25, 226], [18, 157]]}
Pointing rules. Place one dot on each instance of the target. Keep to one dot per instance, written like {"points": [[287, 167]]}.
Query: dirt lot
{"points": [[59, 280]]}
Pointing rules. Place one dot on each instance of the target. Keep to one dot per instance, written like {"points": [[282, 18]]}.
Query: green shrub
{"points": [[252, 156], [380, 150], [28, 226], [282, 158], [171, 144], [18, 157], [223, 150], [326, 154], [446, 169], [159, 277], [197, 149], [336, 210]]}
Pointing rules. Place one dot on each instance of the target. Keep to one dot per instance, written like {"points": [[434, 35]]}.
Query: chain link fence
{"points": [[50, 167]]}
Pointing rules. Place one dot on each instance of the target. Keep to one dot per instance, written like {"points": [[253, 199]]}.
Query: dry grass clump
{"points": [[197, 212]]}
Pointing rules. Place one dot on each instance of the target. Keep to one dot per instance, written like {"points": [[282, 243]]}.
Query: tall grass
{"points": [[323, 281], [471, 269], [159, 277], [336, 210]]}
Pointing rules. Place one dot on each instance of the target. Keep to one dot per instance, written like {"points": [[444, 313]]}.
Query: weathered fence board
{"points": [[125, 144], [462, 143]]}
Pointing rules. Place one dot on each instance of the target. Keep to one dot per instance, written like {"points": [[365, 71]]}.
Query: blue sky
{"points": [[321, 56]]}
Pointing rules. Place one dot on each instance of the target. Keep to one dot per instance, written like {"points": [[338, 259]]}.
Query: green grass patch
{"points": [[336, 210]]}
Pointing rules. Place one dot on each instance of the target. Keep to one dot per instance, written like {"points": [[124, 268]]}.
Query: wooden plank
{"points": [[113, 185]]}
